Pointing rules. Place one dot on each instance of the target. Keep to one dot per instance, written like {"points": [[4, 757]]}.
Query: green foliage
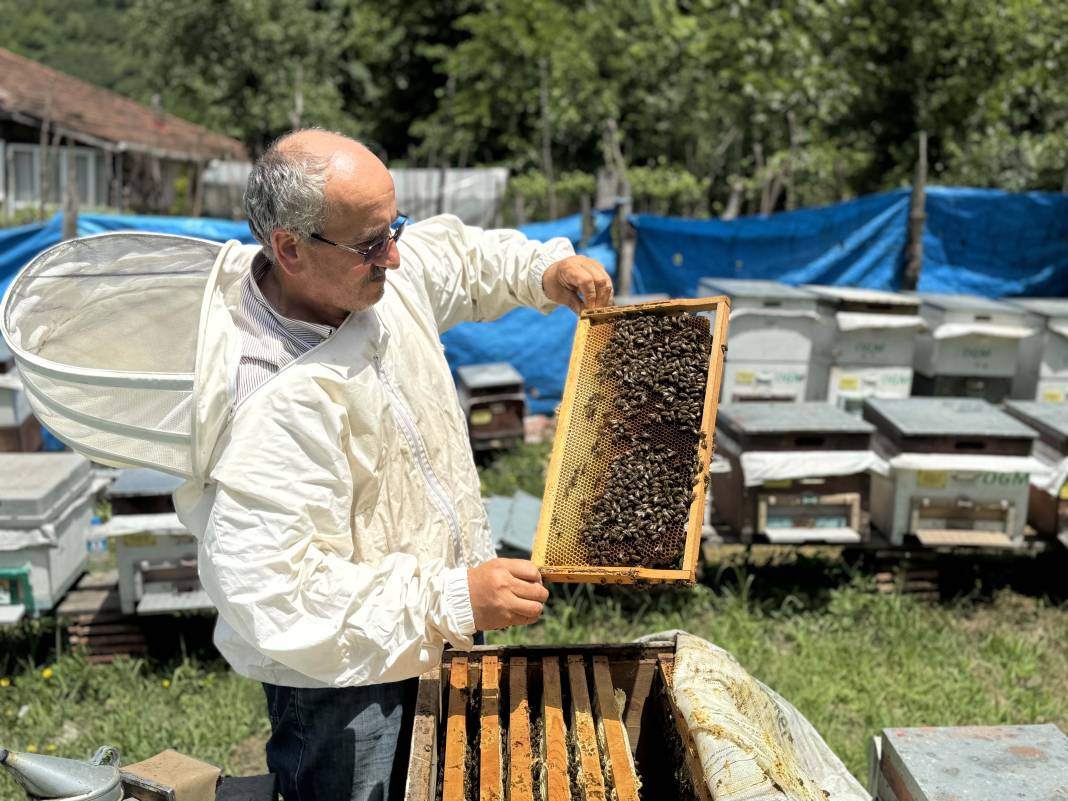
{"points": [[790, 104], [522, 468]]}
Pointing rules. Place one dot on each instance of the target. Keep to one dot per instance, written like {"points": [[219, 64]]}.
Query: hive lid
{"points": [[978, 763], [943, 417], [968, 303], [37, 488], [1049, 419], [790, 418], [844, 297], [481, 376], [758, 294], [1044, 307], [142, 482]]}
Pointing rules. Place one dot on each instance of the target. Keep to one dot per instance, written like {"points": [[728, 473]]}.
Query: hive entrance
{"points": [[625, 490]]}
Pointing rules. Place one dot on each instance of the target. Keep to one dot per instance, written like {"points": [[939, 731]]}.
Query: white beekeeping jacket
{"points": [[337, 507]]}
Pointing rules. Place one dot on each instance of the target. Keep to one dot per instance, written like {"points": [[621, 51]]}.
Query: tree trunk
{"points": [[627, 237], [298, 97], [547, 134], [734, 204], [917, 219]]}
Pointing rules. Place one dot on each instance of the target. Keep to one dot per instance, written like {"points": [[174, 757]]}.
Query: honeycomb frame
{"points": [[572, 451]]}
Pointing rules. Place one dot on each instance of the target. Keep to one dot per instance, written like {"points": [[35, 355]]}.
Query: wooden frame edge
{"points": [[556, 459]]}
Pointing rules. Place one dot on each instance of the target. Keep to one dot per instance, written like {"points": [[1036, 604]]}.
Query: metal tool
{"points": [[58, 779]]}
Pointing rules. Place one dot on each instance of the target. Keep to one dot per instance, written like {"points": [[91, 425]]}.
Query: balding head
{"points": [[302, 176]]}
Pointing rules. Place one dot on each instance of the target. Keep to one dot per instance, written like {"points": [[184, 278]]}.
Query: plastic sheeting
{"points": [[979, 241], [967, 462], [753, 744], [761, 466], [993, 243], [859, 243]]}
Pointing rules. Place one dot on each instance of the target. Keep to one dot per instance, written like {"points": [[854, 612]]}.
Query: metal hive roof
{"points": [[783, 418], [953, 417]]}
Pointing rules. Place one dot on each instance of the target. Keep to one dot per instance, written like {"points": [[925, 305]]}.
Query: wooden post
{"points": [[547, 135], [70, 210], [587, 218], [917, 219], [627, 237]]}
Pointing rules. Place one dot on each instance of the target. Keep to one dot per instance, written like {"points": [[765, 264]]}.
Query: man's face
{"points": [[359, 214]]}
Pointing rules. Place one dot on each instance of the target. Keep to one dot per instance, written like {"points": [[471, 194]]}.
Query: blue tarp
{"points": [[980, 241], [993, 243], [857, 243]]}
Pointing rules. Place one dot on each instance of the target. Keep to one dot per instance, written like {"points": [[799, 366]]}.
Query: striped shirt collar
{"points": [[309, 334]]}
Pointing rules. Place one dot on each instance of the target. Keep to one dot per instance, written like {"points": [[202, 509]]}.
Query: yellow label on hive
{"points": [[849, 382], [139, 540], [779, 484], [1053, 396], [480, 417], [932, 479], [1064, 492], [744, 377]]}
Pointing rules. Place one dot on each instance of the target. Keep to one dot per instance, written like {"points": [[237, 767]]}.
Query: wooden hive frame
{"points": [[687, 572], [568, 735]]}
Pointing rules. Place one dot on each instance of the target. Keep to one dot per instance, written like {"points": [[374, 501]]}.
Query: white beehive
{"points": [[45, 512], [971, 347], [778, 344], [871, 350], [960, 470], [1042, 373]]}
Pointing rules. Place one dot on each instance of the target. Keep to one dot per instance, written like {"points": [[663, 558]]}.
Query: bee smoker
{"points": [[58, 779]]}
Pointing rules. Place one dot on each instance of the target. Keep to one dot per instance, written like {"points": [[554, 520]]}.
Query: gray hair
{"points": [[286, 190]]}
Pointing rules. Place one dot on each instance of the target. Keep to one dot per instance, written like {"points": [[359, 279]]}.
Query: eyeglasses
{"points": [[376, 248]]}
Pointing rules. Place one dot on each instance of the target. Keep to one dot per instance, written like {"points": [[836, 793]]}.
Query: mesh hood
{"points": [[125, 344]]}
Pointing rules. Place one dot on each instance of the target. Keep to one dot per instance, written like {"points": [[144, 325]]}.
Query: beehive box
{"points": [[971, 347], [1042, 372], [1047, 508], [782, 442], [871, 352], [625, 489], [552, 723], [960, 471], [779, 341]]}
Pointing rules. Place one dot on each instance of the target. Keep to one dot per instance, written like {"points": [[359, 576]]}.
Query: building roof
{"points": [[31, 93]]}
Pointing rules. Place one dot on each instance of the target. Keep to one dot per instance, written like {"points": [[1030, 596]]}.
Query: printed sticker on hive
{"points": [[849, 382], [1053, 396], [932, 479], [744, 377]]}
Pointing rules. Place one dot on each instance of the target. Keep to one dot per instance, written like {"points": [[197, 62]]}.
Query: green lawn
{"points": [[850, 659]]}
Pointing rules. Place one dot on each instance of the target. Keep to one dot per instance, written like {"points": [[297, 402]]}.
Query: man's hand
{"points": [[569, 278], [505, 592]]}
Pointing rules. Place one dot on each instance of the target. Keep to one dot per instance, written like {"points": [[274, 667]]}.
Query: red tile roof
{"points": [[98, 116]]}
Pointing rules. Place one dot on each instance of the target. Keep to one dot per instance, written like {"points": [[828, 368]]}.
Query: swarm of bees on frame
{"points": [[656, 367]]}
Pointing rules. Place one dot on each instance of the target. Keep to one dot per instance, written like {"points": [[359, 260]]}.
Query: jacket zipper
{"points": [[411, 434]]}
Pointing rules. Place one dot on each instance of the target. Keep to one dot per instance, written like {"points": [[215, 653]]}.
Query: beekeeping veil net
{"points": [[126, 346]]}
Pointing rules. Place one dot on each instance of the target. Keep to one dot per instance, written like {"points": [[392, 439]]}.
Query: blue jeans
{"points": [[344, 744]]}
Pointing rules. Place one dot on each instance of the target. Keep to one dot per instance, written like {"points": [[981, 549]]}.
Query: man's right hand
{"points": [[505, 592]]}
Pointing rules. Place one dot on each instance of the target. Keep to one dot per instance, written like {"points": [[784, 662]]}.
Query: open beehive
{"points": [[563, 723], [625, 489]]}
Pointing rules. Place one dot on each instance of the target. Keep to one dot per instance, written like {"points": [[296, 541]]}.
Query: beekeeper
{"points": [[342, 535]]}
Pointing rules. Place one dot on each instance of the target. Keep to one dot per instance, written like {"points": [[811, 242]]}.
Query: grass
{"points": [[852, 660]]}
